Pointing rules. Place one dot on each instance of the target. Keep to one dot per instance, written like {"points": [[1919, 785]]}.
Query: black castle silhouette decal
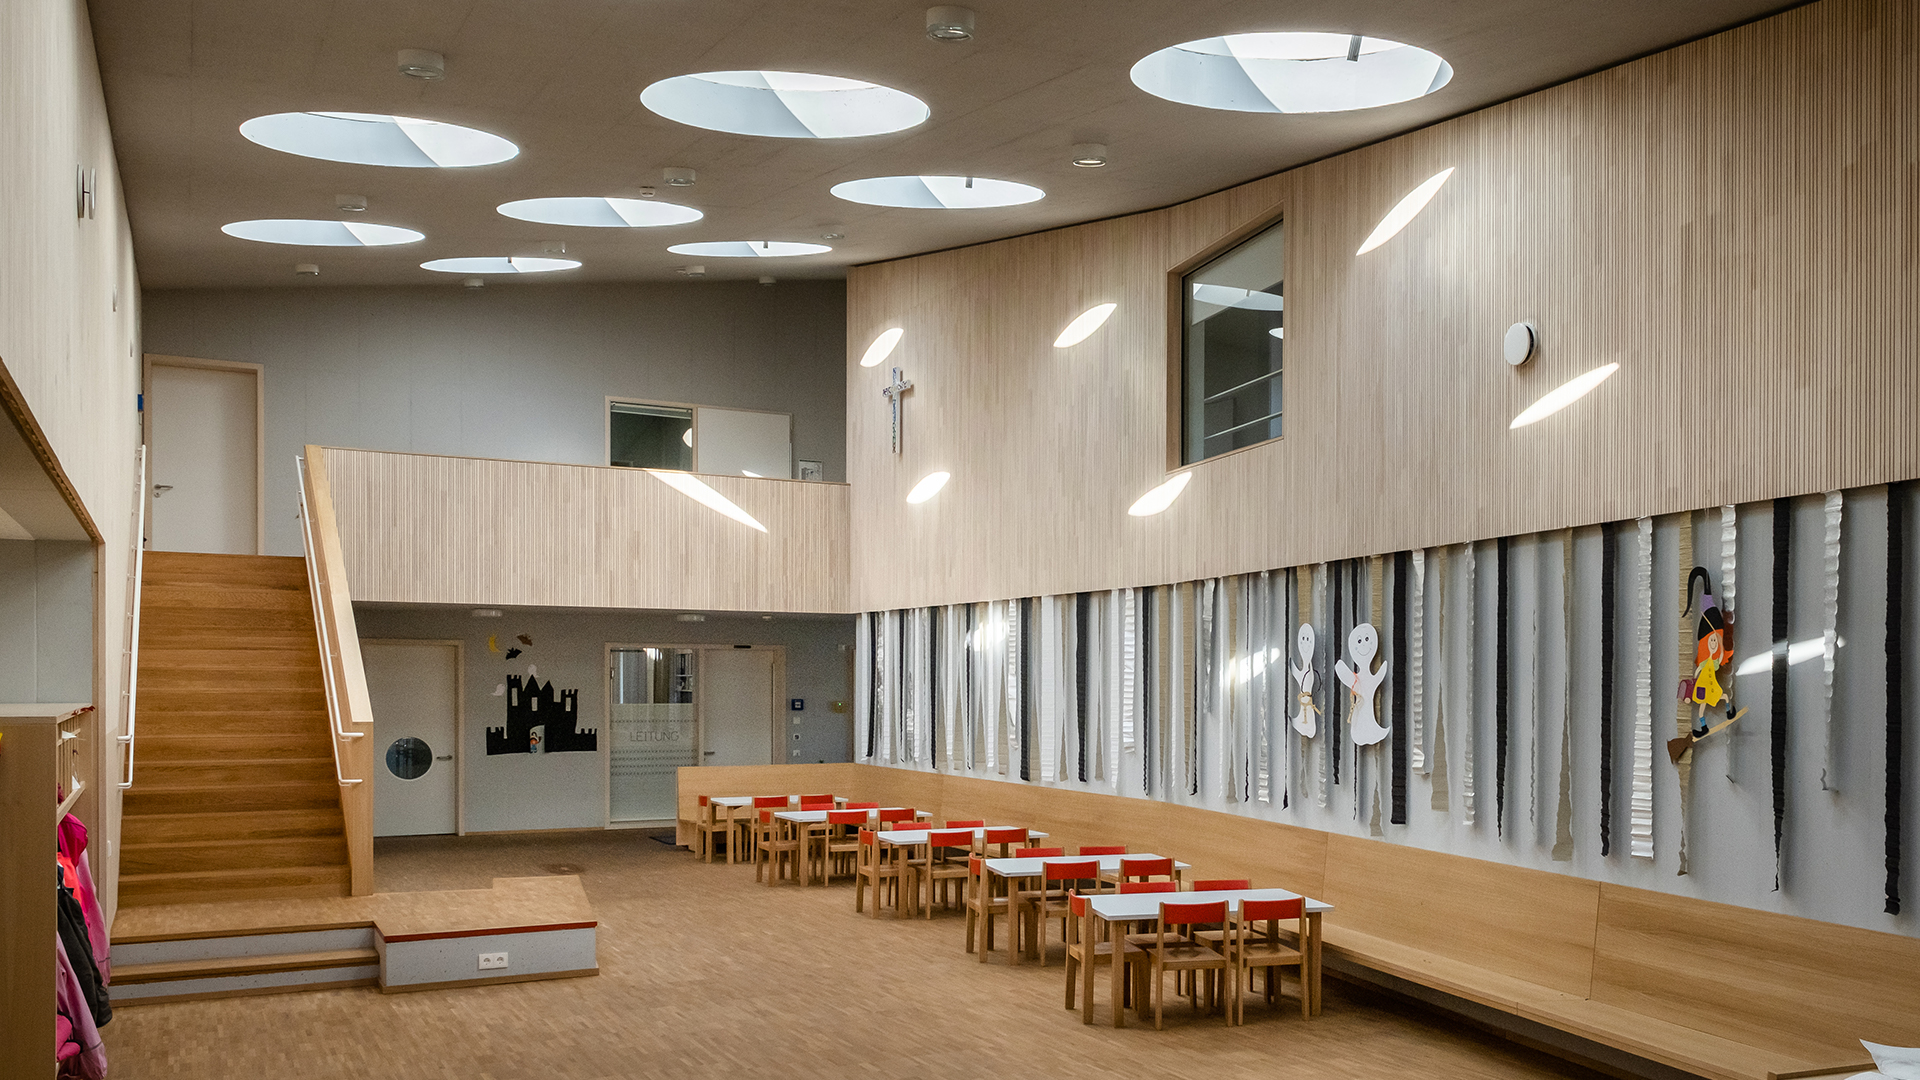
{"points": [[540, 720]]}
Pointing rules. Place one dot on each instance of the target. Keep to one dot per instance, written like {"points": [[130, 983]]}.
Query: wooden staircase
{"points": [[235, 795]]}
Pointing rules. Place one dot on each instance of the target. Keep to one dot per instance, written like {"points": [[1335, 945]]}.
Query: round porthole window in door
{"points": [[409, 758]]}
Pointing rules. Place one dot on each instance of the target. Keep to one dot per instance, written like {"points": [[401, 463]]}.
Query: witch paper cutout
{"points": [[1363, 644], [1713, 650], [1304, 709]]}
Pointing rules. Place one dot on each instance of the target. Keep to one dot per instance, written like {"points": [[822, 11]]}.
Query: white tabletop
{"points": [[919, 836], [1128, 907], [736, 802], [1025, 868]]}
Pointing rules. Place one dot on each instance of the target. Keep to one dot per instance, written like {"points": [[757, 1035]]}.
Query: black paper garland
{"points": [[1025, 683], [873, 683], [1896, 673], [1500, 691], [933, 684], [1082, 612], [901, 665], [1147, 686], [1609, 583], [1782, 564], [1337, 574], [1397, 675]]}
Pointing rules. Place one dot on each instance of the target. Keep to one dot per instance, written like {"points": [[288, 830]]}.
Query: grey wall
{"points": [[558, 791], [519, 371], [46, 621]]}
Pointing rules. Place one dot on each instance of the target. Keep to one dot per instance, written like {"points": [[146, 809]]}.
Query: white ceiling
{"points": [[562, 79]]}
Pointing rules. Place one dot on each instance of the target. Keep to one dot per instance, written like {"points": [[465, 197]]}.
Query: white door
{"points": [[205, 448], [736, 708], [414, 689]]}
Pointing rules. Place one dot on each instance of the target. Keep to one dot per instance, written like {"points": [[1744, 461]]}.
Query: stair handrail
{"points": [[324, 630], [136, 570]]}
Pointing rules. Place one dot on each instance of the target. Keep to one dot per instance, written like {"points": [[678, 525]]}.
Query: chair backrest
{"points": [[1188, 914], [967, 824], [816, 798], [863, 806], [943, 838], [867, 838], [766, 816], [780, 801], [901, 813], [1143, 868], [1221, 884], [1006, 836], [1039, 852], [1103, 849], [816, 804], [1077, 904], [703, 800], [1149, 886], [1078, 870], [1271, 910], [846, 817], [976, 865]]}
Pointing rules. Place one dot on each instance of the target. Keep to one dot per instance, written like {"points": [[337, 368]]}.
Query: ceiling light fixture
{"points": [[1089, 155], [882, 347], [423, 64], [949, 23], [937, 192], [679, 177], [833, 236], [693, 488], [498, 264], [748, 249], [306, 232], [1565, 395], [1161, 497], [597, 213], [377, 139], [1291, 72], [352, 204], [784, 104], [1405, 211], [693, 271], [306, 269], [1083, 325], [474, 282], [928, 487]]}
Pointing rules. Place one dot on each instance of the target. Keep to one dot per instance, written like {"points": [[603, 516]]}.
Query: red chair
{"points": [[1040, 853], [863, 806], [805, 799], [873, 868], [1103, 849], [1251, 946], [714, 821], [782, 852], [1148, 887], [1004, 837], [840, 840], [1221, 884], [772, 802], [1086, 951], [810, 803], [966, 824], [1180, 953], [898, 813], [1049, 901], [983, 906], [942, 865], [1142, 869]]}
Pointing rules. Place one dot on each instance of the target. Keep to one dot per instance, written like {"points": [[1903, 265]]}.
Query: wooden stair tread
{"points": [[239, 852], [207, 826], [242, 965], [206, 886]]}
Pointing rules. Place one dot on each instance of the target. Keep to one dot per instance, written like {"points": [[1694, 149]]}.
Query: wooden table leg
{"points": [[1117, 935], [1313, 958]]}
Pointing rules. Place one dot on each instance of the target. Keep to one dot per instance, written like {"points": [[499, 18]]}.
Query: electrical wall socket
{"points": [[491, 960]]}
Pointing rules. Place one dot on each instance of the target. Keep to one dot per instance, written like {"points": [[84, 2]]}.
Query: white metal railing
{"points": [[324, 629], [136, 568]]}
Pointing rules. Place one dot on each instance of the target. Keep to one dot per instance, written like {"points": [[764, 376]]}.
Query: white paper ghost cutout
{"points": [[1362, 644], [1303, 721]]}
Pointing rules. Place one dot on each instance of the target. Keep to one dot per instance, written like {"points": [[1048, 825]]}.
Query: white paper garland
{"points": [[1641, 823], [1729, 575], [1829, 634], [1417, 666], [1470, 712]]}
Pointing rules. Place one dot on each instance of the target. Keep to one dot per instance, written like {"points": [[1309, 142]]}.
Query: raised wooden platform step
{"points": [[252, 882], [136, 974]]}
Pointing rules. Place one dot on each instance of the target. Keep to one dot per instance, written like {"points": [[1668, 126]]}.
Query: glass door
{"points": [[655, 731]]}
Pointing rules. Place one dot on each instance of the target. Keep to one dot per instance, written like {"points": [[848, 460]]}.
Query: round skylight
{"points": [[937, 192], [374, 139], [784, 104], [310, 233], [748, 249], [598, 213], [1291, 72], [499, 265]]}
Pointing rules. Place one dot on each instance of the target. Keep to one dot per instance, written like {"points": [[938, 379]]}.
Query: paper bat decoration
{"points": [[1363, 644], [524, 639], [511, 653], [1303, 674]]}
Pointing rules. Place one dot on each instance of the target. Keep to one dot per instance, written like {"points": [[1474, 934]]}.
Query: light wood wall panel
{"points": [[442, 530], [1732, 221]]}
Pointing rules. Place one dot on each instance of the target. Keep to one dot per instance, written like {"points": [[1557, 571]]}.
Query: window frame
{"points": [[1176, 337]]}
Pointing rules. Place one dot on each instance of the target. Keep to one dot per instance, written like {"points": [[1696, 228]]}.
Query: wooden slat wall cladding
{"points": [[443, 530], [1731, 221]]}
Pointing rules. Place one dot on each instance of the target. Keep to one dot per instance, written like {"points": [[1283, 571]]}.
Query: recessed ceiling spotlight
{"points": [[474, 282], [1089, 155], [306, 269], [352, 204], [950, 23], [784, 104], [491, 264], [882, 347], [599, 213], [306, 232], [679, 177], [748, 249], [422, 64], [378, 139], [937, 192], [693, 271], [647, 193], [1291, 72], [833, 236], [554, 247]]}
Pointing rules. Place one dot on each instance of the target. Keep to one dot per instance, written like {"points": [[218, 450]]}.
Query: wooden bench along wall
{"points": [[1711, 989]]}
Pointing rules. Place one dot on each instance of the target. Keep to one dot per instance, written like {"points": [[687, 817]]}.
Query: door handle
{"points": [[161, 489], [444, 757]]}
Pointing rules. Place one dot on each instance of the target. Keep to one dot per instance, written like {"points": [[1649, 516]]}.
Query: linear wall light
{"points": [[694, 488], [1082, 327], [1161, 497], [1405, 211], [1555, 400]]}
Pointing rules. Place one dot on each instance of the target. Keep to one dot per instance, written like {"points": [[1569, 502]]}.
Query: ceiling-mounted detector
{"points": [[950, 23], [1089, 155], [352, 204], [1522, 341], [693, 271], [679, 177], [422, 64]]}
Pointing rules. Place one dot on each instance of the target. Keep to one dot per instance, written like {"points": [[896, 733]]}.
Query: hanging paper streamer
{"points": [[1266, 664], [1025, 686], [938, 722], [863, 685], [905, 713], [1609, 590], [1336, 738], [1782, 578], [1397, 713], [1729, 578], [1417, 666], [1896, 682], [1503, 596], [1533, 725], [1082, 630], [1640, 825], [1321, 767], [1563, 806], [1829, 632], [1472, 712], [1684, 664], [1442, 792]]}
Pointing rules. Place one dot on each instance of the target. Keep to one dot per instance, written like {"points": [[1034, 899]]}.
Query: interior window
{"points": [[649, 436], [1235, 332]]}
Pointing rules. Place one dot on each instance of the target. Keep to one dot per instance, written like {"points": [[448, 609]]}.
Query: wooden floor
{"points": [[706, 975]]}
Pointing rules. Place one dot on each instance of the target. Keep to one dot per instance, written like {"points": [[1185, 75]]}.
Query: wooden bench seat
{"points": [[1458, 978]]}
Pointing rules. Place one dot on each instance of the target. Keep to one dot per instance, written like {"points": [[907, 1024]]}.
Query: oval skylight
{"points": [[488, 264], [597, 213], [311, 233], [784, 104], [748, 249], [1291, 72], [937, 192], [375, 139]]}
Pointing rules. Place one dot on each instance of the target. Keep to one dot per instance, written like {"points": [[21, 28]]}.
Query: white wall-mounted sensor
{"points": [[1523, 340]]}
